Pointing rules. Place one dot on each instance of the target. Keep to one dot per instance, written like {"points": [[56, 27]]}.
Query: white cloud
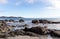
{"points": [[3, 1], [55, 3]]}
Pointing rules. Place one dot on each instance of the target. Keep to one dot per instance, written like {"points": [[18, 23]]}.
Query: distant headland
{"points": [[10, 17]]}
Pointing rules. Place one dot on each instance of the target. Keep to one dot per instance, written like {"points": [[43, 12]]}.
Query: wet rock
{"points": [[21, 20], [43, 21], [6, 20], [35, 21], [11, 20]]}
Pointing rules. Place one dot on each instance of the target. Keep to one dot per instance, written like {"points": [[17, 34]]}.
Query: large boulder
{"points": [[37, 30]]}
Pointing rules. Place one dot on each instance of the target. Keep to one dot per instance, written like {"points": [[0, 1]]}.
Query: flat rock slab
{"points": [[58, 32]]}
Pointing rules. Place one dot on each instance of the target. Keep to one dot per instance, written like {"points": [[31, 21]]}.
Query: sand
{"points": [[30, 37], [23, 37], [26, 37]]}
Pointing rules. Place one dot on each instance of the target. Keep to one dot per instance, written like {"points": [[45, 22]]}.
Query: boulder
{"points": [[35, 21], [31, 34], [21, 20], [37, 30], [43, 21], [19, 32], [11, 20], [3, 35], [55, 33], [6, 20], [11, 33]]}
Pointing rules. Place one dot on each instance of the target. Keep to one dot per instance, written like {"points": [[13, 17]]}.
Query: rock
{"points": [[35, 21], [11, 33], [21, 20], [19, 32], [3, 35], [11, 20], [6, 20], [43, 21], [31, 34], [55, 33], [37, 30]]}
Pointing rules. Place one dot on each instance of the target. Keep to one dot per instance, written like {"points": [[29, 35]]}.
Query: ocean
{"points": [[29, 20]]}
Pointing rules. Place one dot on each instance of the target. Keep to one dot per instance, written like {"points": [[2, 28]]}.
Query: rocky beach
{"points": [[33, 29]]}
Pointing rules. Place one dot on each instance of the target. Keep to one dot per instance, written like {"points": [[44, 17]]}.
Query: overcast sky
{"points": [[30, 8]]}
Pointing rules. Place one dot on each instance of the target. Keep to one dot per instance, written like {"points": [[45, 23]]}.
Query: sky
{"points": [[30, 8]]}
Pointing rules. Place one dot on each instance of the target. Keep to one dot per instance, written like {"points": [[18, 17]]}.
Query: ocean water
{"points": [[28, 21]]}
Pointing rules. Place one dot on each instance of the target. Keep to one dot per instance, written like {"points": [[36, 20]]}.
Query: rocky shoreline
{"points": [[6, 31], [34, 32]]}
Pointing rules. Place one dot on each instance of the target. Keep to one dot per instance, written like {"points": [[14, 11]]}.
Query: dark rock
{"points": [[35, 21], [37, 30], [43, 21], [31, 34], [11, 33], [19, 32], [11, 20], [3, 35], [21, 20], [5, 20], [55, 33]]}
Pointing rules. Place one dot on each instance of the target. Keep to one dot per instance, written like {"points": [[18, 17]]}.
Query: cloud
{"points": [[3, 1], [55, 3]]}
